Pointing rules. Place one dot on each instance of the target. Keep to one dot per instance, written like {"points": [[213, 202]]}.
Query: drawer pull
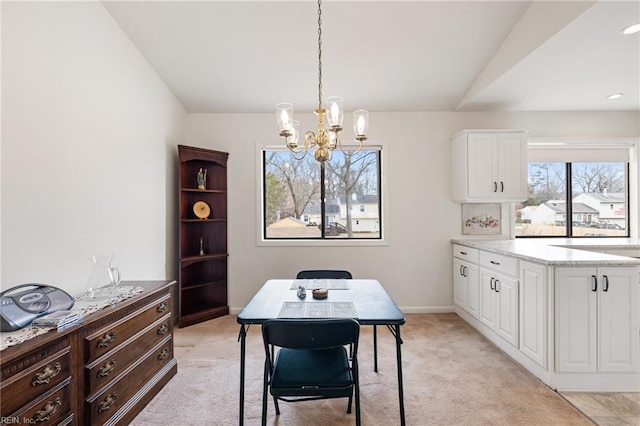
{"points": [[464, 253], [108, 402], [107, 339], [493, 262], [107, 368], [162, 307], [47, 411], [45, 376], [163, 354], [163, 329]]}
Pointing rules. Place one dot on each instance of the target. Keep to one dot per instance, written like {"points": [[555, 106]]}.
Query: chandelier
{"points": [[327, 137]]}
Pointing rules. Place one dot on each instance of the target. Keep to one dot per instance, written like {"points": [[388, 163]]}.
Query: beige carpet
{"points": [[452, 376]]}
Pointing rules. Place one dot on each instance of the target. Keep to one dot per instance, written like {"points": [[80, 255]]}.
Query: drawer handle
{"points": [[162, 307], [107, 339], [163, 329], [493, 262], [45, 376], [47, 411], [163, 354], [108, 402], [464, 253], [107, 368]]}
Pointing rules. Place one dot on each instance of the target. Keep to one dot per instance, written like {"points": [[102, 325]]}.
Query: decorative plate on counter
{"points": [[201, 209]]}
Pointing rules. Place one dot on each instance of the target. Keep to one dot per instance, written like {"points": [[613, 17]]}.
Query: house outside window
{"points": [[293, 206]]}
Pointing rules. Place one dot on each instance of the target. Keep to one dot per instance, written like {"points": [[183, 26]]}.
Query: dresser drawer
{"points": [[497, 262], [104, 405], [467, 253], [106, 368], [53, 408], [107, 338]]}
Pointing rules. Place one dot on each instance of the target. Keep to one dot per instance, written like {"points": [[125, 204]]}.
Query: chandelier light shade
{"points": [[330, 117]]}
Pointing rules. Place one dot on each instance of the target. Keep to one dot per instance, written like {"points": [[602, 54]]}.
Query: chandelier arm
{"points": [[295, 154]]}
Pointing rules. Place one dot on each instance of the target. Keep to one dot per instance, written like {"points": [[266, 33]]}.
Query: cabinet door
{"points": [[507, 308], [473, 290], [482, 165], [487, 310], [512, 166], [576, 320], [533, 312], [618, 320], [459, 282]]}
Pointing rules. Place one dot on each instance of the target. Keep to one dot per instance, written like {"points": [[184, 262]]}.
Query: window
{"points": [[302, 200], [593, 194]]}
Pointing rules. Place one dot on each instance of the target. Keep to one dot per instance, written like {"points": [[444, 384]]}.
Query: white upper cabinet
{"points": [[489, 166]]}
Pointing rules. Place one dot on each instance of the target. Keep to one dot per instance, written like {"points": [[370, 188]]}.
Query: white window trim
{"points": [[384, 199]]}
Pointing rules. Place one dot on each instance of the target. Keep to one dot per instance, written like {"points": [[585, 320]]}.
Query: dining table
{"points": [[365, 300]]}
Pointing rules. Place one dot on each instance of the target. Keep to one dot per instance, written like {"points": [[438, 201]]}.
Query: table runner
{"points": [[300, 310]]}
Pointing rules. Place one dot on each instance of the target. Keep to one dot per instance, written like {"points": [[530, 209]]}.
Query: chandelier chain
{"points": [[319, 54]]}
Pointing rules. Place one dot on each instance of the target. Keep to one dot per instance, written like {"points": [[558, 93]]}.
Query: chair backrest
{"points": [[324, 273], [311, 334]]}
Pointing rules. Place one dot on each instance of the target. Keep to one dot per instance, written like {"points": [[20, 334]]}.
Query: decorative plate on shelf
{"points": [[201, 209]]}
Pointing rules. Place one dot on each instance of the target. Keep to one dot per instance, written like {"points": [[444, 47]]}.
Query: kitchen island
{"points": [[566, 309]]}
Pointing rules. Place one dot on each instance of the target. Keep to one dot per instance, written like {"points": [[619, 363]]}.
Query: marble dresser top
{"points": [[560, 251]]}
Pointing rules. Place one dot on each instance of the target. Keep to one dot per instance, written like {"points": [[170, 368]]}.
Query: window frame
{"points": [[323, 242]]}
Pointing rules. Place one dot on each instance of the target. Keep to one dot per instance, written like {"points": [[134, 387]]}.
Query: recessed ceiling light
{"points": [[631, 29], [615, 96]]}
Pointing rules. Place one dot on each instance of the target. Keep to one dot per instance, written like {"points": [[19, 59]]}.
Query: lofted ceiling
{"points": [[246, 56]]}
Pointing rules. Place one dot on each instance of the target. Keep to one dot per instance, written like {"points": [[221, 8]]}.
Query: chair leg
{"points": [[357, 392], [265, 385], [275, 402], [349, 404]]}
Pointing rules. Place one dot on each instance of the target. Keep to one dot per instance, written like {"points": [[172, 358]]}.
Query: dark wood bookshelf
{"points": [[202, 242]]}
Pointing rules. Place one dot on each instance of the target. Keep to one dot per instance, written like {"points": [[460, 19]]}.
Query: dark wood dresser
{"points": [[100, 372]]}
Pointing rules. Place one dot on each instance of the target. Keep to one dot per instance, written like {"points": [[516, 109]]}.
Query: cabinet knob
{"points": [[107, 339], [162, 330], [47, 411], [164, 354], [108, 402], [107, 368], [45, 376], [162, 307]]}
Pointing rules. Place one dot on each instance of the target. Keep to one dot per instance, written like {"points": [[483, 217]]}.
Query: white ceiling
{"points": [[246, 56]]}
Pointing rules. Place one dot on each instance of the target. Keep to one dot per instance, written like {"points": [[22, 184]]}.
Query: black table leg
{"points": [[375, 348], [395, 330], [242, 337]]}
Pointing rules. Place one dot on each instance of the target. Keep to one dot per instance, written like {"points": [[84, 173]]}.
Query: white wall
{"points": [[88, 149], [415, 267]]}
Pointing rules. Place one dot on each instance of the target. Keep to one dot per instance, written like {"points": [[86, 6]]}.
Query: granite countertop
{"points": [[560, 251]]}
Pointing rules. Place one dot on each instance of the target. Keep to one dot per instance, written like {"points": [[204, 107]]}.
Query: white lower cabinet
{"points": [[466, 286], [533, 312], [597, 320], [499, 295]]}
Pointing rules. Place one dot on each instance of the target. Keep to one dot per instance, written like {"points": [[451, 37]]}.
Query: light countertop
{"points": [[560, 251]]}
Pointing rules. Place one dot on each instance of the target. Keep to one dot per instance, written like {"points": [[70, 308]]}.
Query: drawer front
{"points": [[114, 397], [467, 253], [108, 338], [504, 264], [35, 380], [106, 368], [51, 409]]}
